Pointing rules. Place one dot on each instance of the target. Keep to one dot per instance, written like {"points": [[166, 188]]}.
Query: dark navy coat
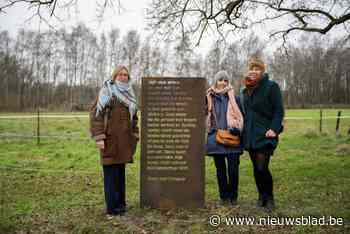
{"points": [[263, 110], [220, 102]]}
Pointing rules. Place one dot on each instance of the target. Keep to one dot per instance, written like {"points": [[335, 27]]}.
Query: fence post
{"points": [[38, 128], [2, 200], [320, 120], [338, 123]]}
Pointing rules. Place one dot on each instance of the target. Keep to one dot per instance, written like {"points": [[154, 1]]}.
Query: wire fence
{"points": [[47, 128], [37, 126], [75, 126]]}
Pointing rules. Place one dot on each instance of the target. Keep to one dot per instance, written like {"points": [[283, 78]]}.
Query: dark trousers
{"points": [[262, 174], [114, 187], [227, 176]]}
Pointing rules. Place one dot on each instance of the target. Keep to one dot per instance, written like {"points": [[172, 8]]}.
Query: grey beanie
{"points": [[221, 75]]}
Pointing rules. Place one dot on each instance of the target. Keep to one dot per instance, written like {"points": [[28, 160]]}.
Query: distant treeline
{"points": [[63, 70]]}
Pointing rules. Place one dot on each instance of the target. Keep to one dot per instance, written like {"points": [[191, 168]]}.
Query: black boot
{"points": [[233, 202], [224, 201], [270, 204], [260, 202]]}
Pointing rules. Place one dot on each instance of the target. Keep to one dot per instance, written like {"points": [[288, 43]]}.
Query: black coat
{"points": [[263, 110]]}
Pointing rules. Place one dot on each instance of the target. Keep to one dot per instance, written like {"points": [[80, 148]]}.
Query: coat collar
{"points": [[265, 78], [263, 81]]}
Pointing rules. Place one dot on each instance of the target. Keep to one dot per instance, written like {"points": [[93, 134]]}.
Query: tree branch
{"points": [[53, 8]]}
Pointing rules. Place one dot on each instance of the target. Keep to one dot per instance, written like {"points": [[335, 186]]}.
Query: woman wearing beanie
{"points": [[113, 125], [263, 115], [223, 112]]}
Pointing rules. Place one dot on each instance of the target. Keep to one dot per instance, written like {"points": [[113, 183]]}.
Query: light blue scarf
{"points": [[122, 91]]}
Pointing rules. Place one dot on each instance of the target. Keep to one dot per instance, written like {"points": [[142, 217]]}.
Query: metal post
{"points": [[338, 123], [3, 199], [320, 120], [38, 128]]}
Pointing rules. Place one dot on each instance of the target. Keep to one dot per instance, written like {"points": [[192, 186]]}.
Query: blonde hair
{"points": [[256, 62], [117, 69]]}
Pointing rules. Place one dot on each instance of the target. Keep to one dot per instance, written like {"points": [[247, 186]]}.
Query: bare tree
{"points": [[232, 64], [45, 10], [213, 60], [131, 44], [198, 16], [56, 68], [102, 60], [145, 59], [114, 48], [156, 59], [197, 66], [313, 73], [183, 54]]}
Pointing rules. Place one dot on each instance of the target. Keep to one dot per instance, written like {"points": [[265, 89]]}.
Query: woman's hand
{"points": [[100, 144], [270, 134]]}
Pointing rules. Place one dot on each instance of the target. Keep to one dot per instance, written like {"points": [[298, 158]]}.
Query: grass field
{"points": [[57, 187]]}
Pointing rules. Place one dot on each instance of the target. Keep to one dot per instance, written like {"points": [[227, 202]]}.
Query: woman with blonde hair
{"points": [[223, 112], [113, 125]]}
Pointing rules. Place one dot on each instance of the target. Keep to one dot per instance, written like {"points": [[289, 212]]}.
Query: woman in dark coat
{"points": [[113, 125], [263, 114], [223, 112]]}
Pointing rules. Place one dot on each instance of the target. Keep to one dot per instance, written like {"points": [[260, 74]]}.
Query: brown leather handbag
{"points": [[224, 137]]}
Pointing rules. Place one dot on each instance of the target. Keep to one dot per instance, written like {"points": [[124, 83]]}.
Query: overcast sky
{"points": [[132, 16]]}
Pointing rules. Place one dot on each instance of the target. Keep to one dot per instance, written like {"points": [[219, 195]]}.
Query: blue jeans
{"points": [[227, 176], [114, 187]]}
